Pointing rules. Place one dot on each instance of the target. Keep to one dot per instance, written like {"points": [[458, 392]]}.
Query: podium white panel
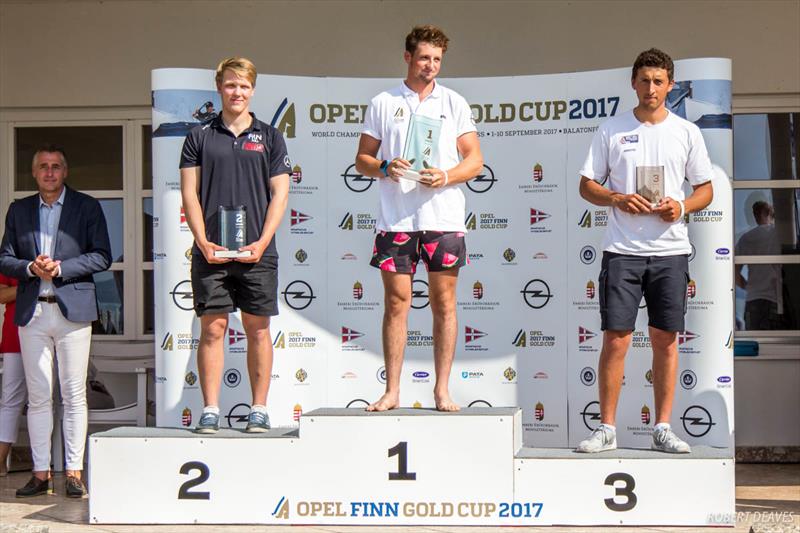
{"points": [[171, 476], [627, 487]]}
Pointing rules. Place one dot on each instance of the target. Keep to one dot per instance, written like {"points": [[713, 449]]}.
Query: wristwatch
{"points": [[385, 167]]}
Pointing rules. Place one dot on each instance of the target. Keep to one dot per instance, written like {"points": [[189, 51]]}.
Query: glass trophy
{"points": [[232, 231], [650, 183], [420, 147]]}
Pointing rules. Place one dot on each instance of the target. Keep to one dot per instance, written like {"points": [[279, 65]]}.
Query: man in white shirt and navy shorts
{"points": [[423, 127], [646, 247]]}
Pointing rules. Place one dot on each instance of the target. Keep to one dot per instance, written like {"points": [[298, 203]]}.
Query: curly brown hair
{"points": [[654, 58], [427, 33]]}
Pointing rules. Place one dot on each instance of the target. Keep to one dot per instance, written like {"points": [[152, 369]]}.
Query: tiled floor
{"points": [[767, 500]]}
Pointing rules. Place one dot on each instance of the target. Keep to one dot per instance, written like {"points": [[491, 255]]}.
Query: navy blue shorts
{"points": [[662, 280]]}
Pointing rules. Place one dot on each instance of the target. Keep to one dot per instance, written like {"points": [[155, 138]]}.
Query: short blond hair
{"points": [[241, 66]]}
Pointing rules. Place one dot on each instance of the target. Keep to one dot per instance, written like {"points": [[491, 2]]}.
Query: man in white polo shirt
{"points": [[645, 154], [421, 140]]}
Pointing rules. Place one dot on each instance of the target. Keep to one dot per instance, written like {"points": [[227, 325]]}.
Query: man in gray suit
{"points": [[54, 241]]}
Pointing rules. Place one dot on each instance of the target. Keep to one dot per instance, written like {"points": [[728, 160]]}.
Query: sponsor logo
{"points": [[591, 415], [691, 289], [190, 378], [724, 382], [509, 255], [284, 119], [183, 223], [415, 338], [167, 344], [585, 335], [237, 416], [301, 375], [296, 177], [684, 338], [298, 295], [361, 221], [299, 340], [419, 294], [645, 415], [697, 421], [588, 255], [537, 219], [538, 185], [470, 222], [600, 217], [297, 174], [629, 139], [708, 215], [477, 290], [536, 293], [472, 334], [358, 402], [420, 376], [235, 336], [479, 403], [280, 341], [380, 375], [640, 339], [510, 374], [182, 295], [349, 375], [541, 375], [252, 147], [297, 218], [301, 256], [471, 374], [538, 412], [478, 303], [232, 378], [487, 221], [588, 376], [648, 376], [533, 339], [722, 254], [186, 417], [349, 335], [483, 181], [349, 257], [358, 290], [590, 292], [688, 379], [538, 173], [540, 255], [297, 412]]}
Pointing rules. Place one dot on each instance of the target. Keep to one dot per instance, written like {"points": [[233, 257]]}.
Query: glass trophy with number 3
{"points": [[650, 183], [232, 231]]}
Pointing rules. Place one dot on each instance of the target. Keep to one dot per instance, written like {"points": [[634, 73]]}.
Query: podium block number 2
{"points": [[402, 474], [624, 491], [184, 492]]}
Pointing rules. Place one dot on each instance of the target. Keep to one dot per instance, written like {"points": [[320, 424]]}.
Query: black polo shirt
{"points": [[236, 171]]}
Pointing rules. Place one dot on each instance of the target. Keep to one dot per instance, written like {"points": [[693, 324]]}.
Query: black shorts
{"points": [[662, 280], [223, 288]]}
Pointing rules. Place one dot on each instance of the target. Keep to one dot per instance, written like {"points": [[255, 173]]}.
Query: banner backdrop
{"points": [[529, 323]]}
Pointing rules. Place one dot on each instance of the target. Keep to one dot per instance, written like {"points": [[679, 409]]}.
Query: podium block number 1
{"points": [[402, 474], [184, 492]]}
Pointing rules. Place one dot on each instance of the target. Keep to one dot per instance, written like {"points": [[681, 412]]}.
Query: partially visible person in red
{"points": [[14, 392]]}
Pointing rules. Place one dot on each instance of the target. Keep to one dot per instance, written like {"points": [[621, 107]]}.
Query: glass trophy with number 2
{"points": [[232, 231]]}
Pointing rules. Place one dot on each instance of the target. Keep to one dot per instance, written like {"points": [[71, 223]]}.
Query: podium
{"points": [[401, 467]]}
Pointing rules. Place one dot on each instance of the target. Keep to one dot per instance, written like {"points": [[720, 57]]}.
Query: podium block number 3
{"points": [[402, 474], [625, 491], [184, 492]]}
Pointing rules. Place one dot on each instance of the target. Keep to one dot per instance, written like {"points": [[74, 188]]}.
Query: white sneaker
{"points": [[665, 440], [602, 439]]}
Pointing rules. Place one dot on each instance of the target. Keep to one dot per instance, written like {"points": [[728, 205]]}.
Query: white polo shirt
{"points": [[623, 143], [421, 208]]}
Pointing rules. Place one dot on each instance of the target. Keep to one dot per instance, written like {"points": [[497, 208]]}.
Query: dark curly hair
{"points": [[426, 34], [654, 58]]}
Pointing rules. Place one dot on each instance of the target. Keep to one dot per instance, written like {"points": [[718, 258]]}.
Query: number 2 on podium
{"points": [[402, 474]]}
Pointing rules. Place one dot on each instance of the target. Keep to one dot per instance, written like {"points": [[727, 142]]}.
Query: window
{"points": [[767, 224], [111, 161]]}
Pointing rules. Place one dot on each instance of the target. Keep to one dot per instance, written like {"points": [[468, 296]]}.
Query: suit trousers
{"points": [[47, 336], [13, 398]]}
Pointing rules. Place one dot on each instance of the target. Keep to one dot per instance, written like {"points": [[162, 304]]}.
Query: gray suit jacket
{"points": [[81, 244]]}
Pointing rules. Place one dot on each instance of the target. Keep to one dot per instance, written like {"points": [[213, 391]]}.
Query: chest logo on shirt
{"points": [[629, 139], [255, 137], [399, 115], [253, 147]]}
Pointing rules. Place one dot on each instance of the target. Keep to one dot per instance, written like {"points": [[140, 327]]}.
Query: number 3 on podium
{"points": [[401, 451]]}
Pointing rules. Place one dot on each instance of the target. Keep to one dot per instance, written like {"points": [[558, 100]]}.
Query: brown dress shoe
{"points": [[74, 487], [34, 487]]}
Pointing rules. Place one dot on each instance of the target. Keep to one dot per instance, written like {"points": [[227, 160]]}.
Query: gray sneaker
{"points": [[601, 440], [257, 422], [665, 440], [209, 423]]}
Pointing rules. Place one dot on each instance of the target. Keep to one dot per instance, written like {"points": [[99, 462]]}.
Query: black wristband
{"points": [[385, 167]]}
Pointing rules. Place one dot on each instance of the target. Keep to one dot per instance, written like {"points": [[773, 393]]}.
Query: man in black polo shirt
{"points": [[239, 163]]}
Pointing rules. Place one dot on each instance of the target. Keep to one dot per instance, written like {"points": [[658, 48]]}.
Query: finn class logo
{"points": [[284, 119], [298, 295], [347, 222], [298, 218], [483, 181], [354, 181], [235, 336], [182, 295], [586, 220], [538, 216], [472, 334], [349, 334], [280, 341], [697, 421], [167, 344], [585, 335], [536, 293]]}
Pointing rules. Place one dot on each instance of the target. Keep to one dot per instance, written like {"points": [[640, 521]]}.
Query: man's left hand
{"points": [[256, 251], [433, 178], [668, 209]]}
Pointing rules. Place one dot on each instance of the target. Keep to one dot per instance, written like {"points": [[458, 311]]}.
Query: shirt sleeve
{"points": [[191, 155], [698, 164], [372, 121], [465, 122], [595, 167], [279, 162]]}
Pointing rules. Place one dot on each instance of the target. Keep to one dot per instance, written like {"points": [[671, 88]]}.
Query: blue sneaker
{"points": [[209, 423], [257, 422]]}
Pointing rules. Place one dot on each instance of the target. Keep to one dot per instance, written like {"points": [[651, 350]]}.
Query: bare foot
{"points": [[445, 403], [390, 400]]}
